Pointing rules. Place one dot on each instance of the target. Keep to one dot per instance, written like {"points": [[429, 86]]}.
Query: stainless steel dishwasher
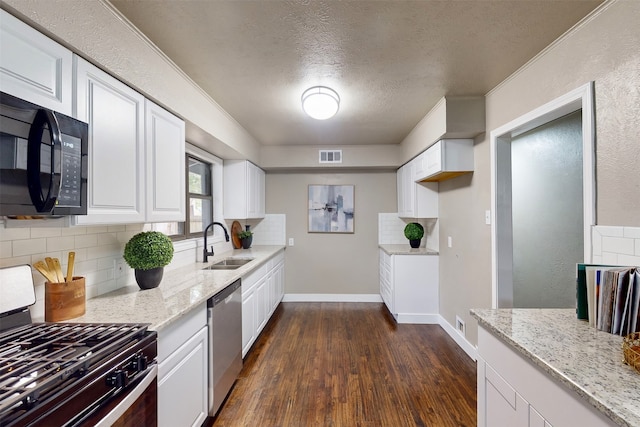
{"points": [[225, 343]]}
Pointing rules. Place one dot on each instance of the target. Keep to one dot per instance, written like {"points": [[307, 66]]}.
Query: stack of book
{"points": [[609, 297]]}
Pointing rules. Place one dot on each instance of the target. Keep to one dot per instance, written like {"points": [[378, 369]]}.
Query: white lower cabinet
{"points": [[409, 287], [513, 392], [262, 291], [183, 371]]}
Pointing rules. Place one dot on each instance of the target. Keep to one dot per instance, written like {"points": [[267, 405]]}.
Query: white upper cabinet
{"points": [[445, 159], [115, 114], [34, 67], [244, 190], [136, 153], [165, 142], [415, 199]]}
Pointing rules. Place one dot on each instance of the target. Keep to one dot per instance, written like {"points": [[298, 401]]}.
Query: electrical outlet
{"points": [[460, 327], [449, 241], [118, 265], [487, 217], [290, 241]]}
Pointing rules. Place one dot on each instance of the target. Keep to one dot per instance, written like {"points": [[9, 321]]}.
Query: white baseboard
{"points": [[332, 298], [422, 319], [462, 342]]}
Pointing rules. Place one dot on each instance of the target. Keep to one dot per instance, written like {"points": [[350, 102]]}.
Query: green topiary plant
{"points": [[245, 234], [147, 250], [413, 231]]}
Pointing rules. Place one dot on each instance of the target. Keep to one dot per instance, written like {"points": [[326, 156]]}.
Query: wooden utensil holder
{"points": [[63, 301]]}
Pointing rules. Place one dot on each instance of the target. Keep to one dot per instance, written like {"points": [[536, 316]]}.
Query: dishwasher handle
{"points": [[222, 296]]}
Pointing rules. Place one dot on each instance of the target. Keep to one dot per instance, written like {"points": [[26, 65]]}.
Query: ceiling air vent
{"points": [[330, 156]]}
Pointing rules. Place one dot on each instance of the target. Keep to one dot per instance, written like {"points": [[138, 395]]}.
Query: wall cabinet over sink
{"points": [[244, 190], [136, 153]]}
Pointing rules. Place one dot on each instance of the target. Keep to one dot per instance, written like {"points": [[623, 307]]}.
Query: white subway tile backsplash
{"points": [[15, 234], [629, 260], [610, 231], [391, 230], [28, 247], [60, 243], [86, 241], [271, 230], [6, 249], [616, 245], [11, 261], [45, 232], [107, 239]]}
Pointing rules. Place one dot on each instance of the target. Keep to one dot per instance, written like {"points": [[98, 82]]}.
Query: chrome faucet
{"points": [[206, 254]]}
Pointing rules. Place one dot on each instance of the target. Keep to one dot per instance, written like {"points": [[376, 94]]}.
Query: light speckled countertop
{"points": [[181, 290], [582, 358], [406, 250]]}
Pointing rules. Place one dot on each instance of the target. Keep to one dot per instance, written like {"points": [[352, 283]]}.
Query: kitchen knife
{"points": [[42, 268], [58, 270], [72, 257]]}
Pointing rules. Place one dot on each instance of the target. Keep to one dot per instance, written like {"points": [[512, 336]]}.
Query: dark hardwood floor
{"points": [[350, 364]]}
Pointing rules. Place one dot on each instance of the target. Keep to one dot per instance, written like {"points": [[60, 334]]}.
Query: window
{"points": [[204, 190], [199, 196]]}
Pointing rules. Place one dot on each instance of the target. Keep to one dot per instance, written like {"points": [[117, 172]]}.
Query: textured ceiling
{"points": [[390, 61]]}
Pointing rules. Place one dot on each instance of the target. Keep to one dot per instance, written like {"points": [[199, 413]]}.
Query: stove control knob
{"points": [[117, 379], [139, 363]]}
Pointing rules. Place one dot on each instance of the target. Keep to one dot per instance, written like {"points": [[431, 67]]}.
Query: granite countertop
{"points": [[181, 290], [406, 250], [573, 353]]}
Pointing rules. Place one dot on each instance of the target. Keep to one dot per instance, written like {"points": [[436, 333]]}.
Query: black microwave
{"points": [[43, 160]]}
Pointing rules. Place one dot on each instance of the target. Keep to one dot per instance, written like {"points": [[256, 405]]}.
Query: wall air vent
{"points": [[331, 156]]}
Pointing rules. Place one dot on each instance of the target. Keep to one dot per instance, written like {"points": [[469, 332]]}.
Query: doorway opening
{"points": [[513, 253]]}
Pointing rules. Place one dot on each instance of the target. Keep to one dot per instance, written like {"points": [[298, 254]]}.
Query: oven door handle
{"points": [[149, 376]]}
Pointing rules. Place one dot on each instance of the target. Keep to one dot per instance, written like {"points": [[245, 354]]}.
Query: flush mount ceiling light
{"points": [[320, 102]]}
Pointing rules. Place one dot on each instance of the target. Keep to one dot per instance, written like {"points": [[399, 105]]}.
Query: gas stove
{"points": [[75, 374]]}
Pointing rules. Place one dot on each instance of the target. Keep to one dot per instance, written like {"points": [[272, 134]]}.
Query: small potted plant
{"points": [[147, 253], [414, 232], [246, 237]]}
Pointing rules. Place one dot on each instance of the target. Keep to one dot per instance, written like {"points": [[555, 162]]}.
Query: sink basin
{"points": [[228, 264]]}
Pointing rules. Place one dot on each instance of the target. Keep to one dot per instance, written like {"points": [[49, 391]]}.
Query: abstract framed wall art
{"points": [[331, 208]]}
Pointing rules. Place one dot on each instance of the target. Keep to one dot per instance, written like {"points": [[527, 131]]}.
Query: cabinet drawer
{"points": [[174, 335]]}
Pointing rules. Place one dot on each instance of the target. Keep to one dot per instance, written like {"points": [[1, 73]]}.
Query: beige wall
{"points": [[332, 263], [605, 50]]}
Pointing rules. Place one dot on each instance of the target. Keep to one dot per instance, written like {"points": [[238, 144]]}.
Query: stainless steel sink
{"points": [[228, 264]]}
